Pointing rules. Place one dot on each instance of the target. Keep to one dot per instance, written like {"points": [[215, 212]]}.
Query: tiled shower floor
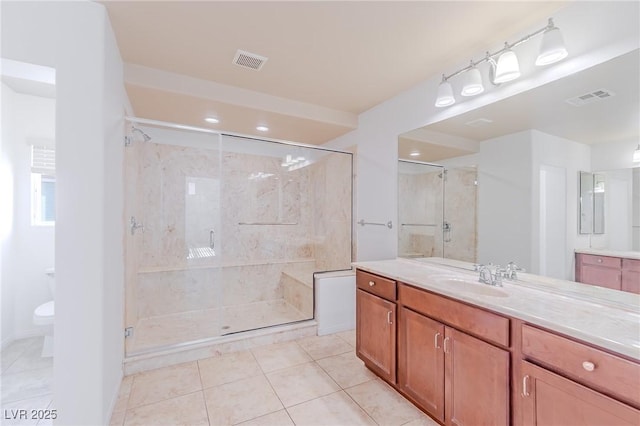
{"points": [[168, 330], [311, 381]]}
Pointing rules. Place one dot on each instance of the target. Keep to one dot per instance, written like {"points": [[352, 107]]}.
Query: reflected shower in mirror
{"points": [[527, 151]]}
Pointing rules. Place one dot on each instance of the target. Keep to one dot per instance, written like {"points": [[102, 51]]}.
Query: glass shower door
{"points": [[422, 229]]}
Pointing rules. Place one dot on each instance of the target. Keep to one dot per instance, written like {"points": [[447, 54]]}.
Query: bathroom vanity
{"points": [[535, 351], [608, 268]]}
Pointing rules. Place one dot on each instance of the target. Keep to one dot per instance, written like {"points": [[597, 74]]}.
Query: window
{"points": [[43, 185]]}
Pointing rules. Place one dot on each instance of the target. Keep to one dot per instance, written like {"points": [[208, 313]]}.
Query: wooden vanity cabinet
{"points": [[631, 275], [457, 378], [376, 324], [552, 400], [603, 271]]}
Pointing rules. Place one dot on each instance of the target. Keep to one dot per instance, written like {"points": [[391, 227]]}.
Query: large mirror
{"points": [[526, 153], [591, 203]]}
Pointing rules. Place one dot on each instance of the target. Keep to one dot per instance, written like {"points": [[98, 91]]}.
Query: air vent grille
{"points": [[590, 97], [249, 60]]}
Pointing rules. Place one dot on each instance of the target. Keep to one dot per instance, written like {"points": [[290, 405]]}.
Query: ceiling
{"points": [[327, 61], [611, 119]]}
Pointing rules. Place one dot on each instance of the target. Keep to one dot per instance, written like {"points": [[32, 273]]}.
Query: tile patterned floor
{"points": [[311, 381], [25, 380]]}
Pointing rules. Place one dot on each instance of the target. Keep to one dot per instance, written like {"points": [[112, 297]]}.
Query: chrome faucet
{"points": [[511, 269], [488, 277]]}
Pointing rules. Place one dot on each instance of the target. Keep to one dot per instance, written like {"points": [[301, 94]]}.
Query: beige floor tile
{"points": [[280, 355], [164, 383], [279, 418], [422, 421], [11, 415], [349, 336], [241, 400], [384, 404], [30, 359], [184, 410], [15, 349], [346, 369], [334, 409], [228, 368], [301, 383], [319, 347], [27, 384]]}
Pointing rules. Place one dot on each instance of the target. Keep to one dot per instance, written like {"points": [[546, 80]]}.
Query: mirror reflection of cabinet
{"points": [[591, 203]]}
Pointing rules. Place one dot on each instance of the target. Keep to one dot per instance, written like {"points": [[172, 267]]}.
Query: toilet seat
{"points": [[44, 314]]}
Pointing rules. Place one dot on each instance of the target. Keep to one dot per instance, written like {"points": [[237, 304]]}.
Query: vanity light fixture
{"points": [[212, 120], [473, 82], [636, 154], [445, 94], [506, 67], [262, 128]]}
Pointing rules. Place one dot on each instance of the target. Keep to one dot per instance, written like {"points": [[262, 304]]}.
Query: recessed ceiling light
{"points": [[414, 153], [262, 128], [212, 120]]}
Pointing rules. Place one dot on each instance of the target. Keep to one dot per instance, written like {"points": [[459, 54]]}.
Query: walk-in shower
{"points": [[437, 211], [230, 232]]}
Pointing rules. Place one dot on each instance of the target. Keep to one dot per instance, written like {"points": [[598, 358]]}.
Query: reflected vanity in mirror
{"points": [[591, 203], [530, 202]]}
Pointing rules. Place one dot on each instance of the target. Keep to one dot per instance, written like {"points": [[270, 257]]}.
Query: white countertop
{"points": [[606, 318], [610, 253]]}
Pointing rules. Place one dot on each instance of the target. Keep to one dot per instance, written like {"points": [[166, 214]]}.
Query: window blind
{"points": [[43, 160]]}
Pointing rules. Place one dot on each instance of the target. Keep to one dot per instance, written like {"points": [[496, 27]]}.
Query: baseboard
{"points": [[336, 328]]}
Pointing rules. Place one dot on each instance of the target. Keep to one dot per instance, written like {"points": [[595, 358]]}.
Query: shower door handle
{"points": [[212, 243]]}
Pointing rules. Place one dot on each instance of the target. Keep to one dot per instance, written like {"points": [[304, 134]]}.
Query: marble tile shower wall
{"points": [[460, 209], [184, 193]]}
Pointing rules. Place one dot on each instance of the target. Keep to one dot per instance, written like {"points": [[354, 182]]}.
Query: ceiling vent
{"points": [[479, 122], [249, 60], [590, 97]]}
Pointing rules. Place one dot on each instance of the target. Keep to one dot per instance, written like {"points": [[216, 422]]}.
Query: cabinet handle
{"points": [[435, 340], [588, 365], [372, 283], [599, 260], [525, 385], [389, 317], [446, 347]]}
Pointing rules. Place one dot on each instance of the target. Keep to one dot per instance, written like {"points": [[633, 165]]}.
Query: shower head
{"points": [[145, 136]]}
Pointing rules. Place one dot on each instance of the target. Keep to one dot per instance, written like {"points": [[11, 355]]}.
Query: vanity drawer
{"points": [[631, 265], [606, 261], [375, 284], [483, 324], [601, 370]]}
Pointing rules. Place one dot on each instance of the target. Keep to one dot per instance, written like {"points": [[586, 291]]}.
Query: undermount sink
{"points": [[472, 287]]}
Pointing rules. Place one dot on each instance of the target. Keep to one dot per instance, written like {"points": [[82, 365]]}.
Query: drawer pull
{"points": [[525, 385], [372, 283], [435, 341], [599, 260], [588, 365], [389, 317]]}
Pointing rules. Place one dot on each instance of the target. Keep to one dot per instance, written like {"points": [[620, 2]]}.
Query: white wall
{"points": [[75, 38], [549, 150], [505, 201], [595, 32], [614, 155], [30, 249]]}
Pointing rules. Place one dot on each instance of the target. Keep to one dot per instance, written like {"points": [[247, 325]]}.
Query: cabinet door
{"points": [[421, 360], [631, 275], [549, 399], [376, 334], [476, 381], [601, 276]]}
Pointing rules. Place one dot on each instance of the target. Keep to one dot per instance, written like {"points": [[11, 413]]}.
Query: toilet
{"points": [[43, 316]]}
